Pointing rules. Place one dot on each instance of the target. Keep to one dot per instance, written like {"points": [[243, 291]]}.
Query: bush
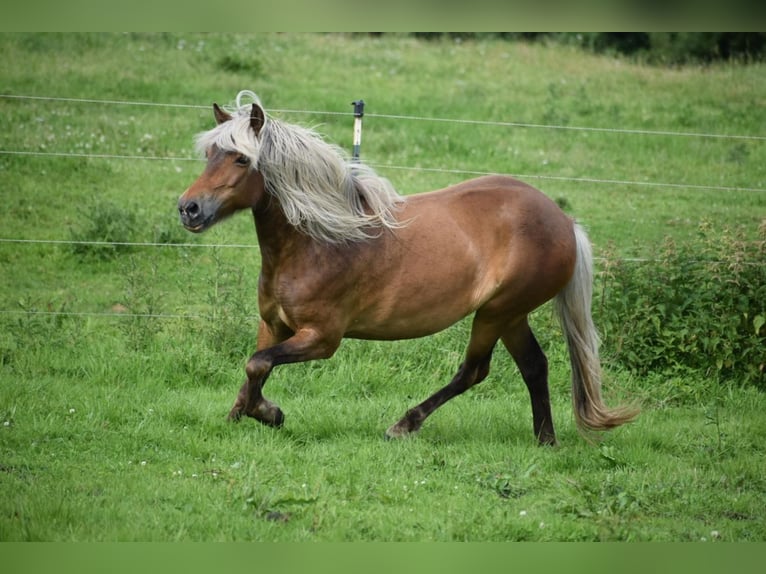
{"points": [[106, 232], [705, 47], [697, 306], [675, 48], [668, 48]]}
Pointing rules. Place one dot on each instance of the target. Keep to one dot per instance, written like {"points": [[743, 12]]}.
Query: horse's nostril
{"points": [[189, 209]]}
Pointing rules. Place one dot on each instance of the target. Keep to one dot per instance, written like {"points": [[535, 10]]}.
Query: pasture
{"points": [[123, 338]]}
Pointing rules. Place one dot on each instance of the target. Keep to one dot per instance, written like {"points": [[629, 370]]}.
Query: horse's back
{"points": [[523, 241], [492, 198], [498, 217]]}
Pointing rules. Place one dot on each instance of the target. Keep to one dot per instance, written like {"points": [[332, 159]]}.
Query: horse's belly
{"points": [[410, 328], [407, 314], [429, 291]]}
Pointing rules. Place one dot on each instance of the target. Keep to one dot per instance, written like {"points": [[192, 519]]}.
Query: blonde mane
{"points": [[320, 190]]}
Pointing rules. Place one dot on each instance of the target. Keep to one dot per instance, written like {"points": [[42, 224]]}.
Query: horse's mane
{"points": [[321, 192]]}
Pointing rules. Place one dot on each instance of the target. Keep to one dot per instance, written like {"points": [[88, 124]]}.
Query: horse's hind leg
{"points": [[474, 370], [523, 347]]}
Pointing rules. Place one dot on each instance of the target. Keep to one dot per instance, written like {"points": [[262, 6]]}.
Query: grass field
{"points": [[118, 363]]}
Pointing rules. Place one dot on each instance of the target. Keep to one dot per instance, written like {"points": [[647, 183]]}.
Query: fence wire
{"points": [[396, 117]]}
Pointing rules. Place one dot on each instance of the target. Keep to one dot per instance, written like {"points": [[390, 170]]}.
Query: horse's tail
{"points": [[573, 307]]}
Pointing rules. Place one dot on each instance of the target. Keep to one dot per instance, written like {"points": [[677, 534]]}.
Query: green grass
{"points": [[113, 427], [129, 445]]}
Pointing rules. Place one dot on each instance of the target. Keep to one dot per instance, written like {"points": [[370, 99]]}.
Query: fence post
{"points": [[358, 113]]}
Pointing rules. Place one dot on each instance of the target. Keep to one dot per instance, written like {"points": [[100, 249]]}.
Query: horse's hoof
{"points": [[547, 439], [271, 417], [549, 443], [279, 419], [396, 432], [234, 416]]}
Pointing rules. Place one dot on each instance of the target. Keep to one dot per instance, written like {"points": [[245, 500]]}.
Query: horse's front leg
{"points": [[266, 339], [262, 409], [305, 345]]}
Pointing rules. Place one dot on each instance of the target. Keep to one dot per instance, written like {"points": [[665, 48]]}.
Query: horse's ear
{"points": [[220, 115], [257, 119]]}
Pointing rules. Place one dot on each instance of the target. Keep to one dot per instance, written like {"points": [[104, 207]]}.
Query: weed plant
{"points": [[106, 233], [694, 307]]}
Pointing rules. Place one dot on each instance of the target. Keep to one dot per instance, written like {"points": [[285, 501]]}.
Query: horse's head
{"points": [[231, 180]]}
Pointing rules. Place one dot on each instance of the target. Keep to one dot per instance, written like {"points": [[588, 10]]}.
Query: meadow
{"points": [[123, 339]]}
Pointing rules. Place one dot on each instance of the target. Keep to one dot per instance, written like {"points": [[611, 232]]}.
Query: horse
{"points": [[343, 255]]}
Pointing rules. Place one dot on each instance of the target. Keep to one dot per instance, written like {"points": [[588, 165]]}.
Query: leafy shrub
{"points": [[142, 300], [698, 306], [690, 47], [672, 48], [106, 231], [237, 63], [669, 48], [233, 319], [41, 324], [170, 232]]}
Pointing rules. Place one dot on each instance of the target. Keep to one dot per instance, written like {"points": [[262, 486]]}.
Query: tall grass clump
{"points": [[695, 306], [232, 316], [106, 231]]}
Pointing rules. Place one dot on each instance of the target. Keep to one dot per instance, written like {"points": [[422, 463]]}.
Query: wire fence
{"points": [[379, 166], [376, 165], [125, 243], [107, 314], [409, 118]]}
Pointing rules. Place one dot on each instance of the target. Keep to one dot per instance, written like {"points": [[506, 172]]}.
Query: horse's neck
{"points": [[283, 247], [277, 238]]}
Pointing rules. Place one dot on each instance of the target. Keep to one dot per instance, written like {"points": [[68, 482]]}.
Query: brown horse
{"points": [[343, 255]]}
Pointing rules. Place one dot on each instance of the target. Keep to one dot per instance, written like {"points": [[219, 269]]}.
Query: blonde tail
{"points": [[573, 307]]}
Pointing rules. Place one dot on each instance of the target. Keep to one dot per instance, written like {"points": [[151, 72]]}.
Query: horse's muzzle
{"points": [[193, 215]]}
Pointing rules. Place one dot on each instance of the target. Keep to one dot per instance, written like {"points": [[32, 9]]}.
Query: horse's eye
{"points": [[242, 160]]}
